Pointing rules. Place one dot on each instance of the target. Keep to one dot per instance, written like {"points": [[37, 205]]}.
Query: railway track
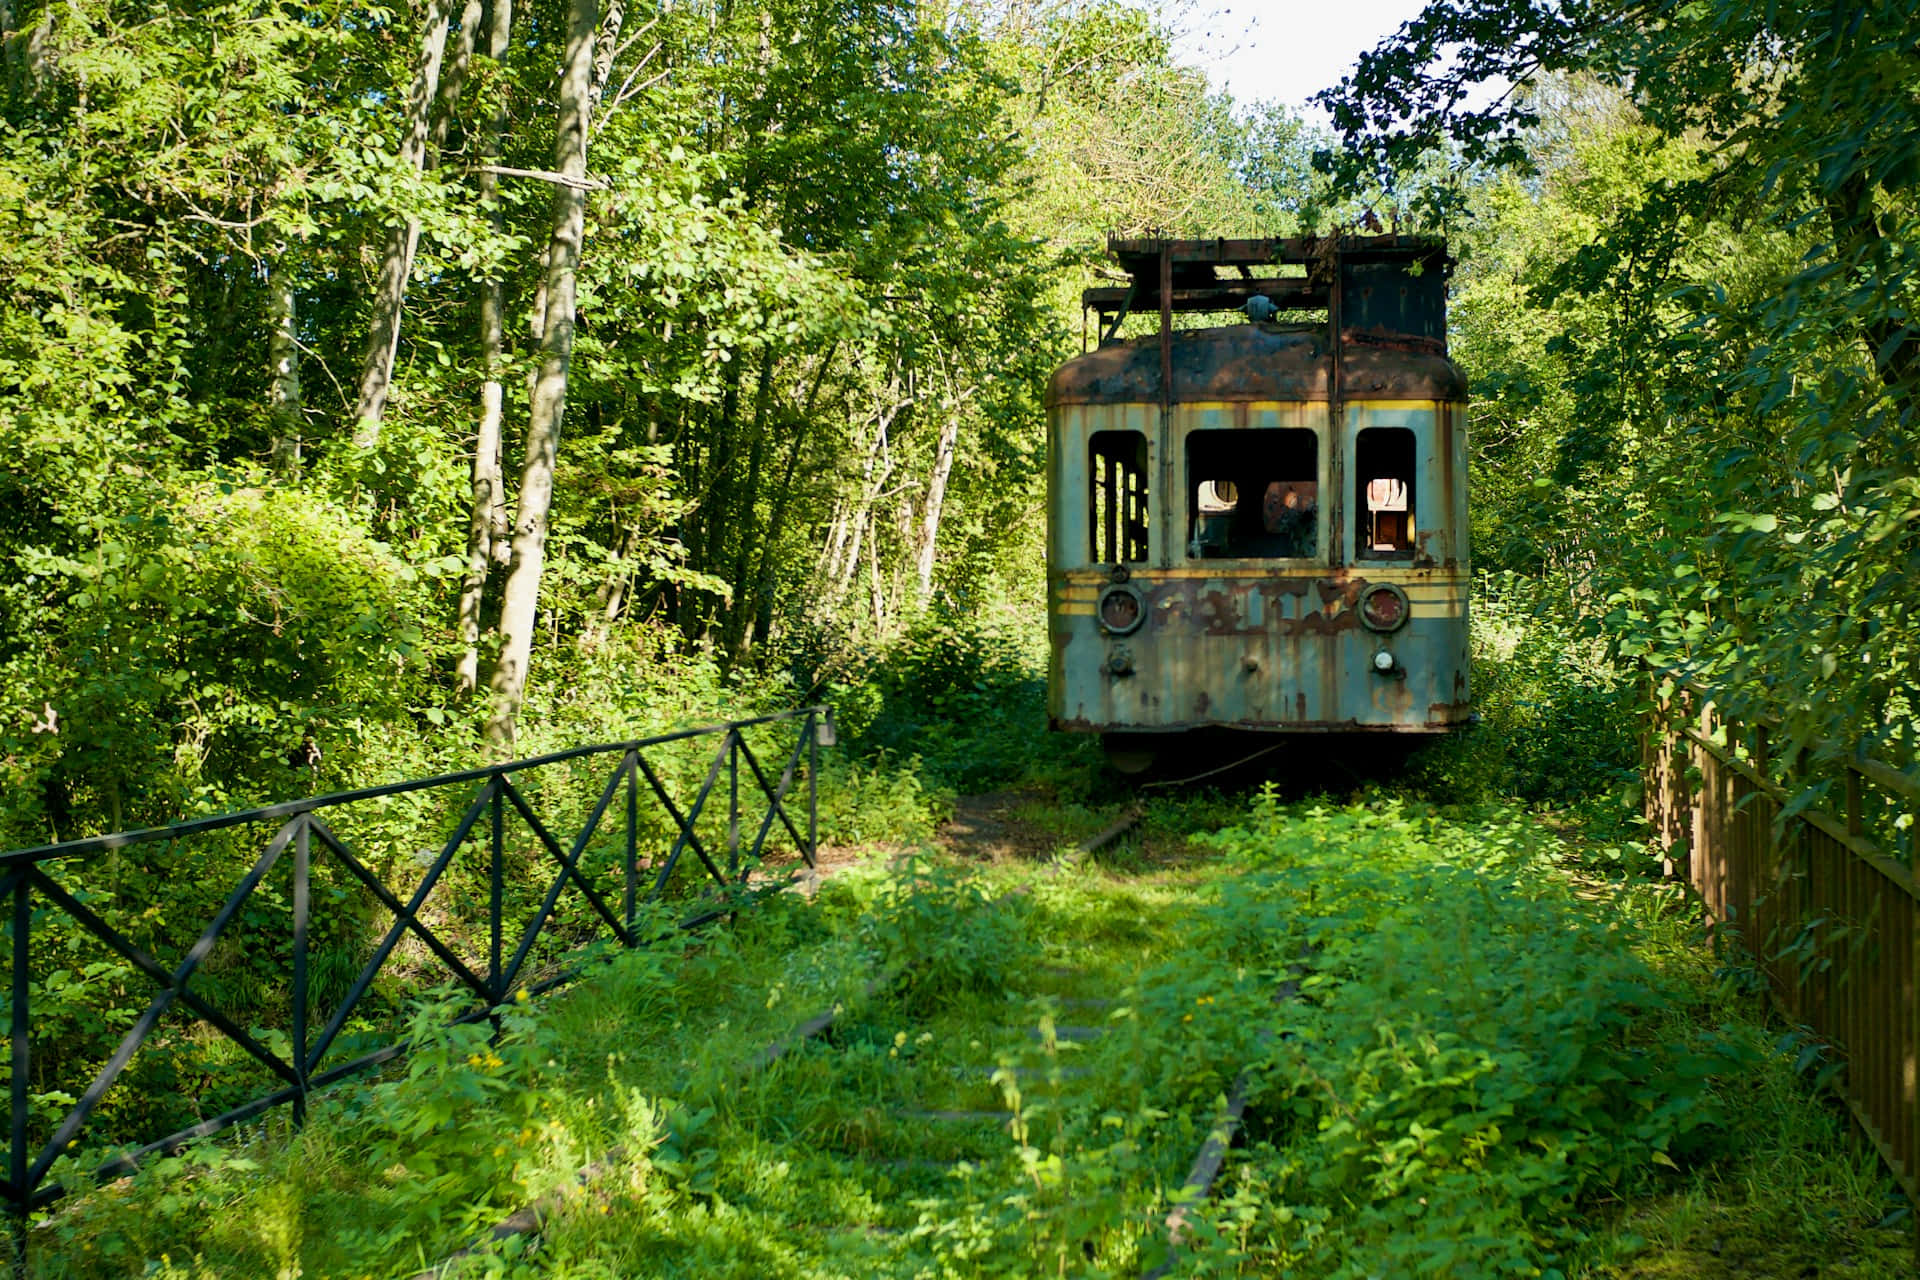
{"points": [[926, 1106]]}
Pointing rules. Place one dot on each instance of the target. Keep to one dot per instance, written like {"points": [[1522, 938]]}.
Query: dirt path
{"points": [[998, 827]]}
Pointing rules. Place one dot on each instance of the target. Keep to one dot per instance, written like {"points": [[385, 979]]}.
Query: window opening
{"points": [[1253, 494], [1384, 488], [1117, 496]]}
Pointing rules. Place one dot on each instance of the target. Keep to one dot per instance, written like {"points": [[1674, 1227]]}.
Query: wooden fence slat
{"points": [[1825, 914]]}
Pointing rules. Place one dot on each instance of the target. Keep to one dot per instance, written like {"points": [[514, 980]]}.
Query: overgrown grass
{"points": [[1508, 1058]]}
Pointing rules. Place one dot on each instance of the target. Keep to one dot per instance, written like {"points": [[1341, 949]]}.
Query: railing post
{"points": [[496, 889], [22, 1067], [302, 850], [733, 803], [813, 789], [632, 764]]}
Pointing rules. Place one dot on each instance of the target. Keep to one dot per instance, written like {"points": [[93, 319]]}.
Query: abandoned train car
{"points": [[1261, 526]]}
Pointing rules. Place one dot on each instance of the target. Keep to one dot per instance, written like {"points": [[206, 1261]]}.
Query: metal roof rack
{"points": [[1184, 276]]}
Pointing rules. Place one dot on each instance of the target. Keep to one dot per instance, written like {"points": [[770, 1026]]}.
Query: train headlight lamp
{"points": [[1383, 661], [1122, 610], [1383, 608]]}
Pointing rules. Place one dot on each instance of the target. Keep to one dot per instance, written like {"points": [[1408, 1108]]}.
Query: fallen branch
{"points": [[544, 175]]}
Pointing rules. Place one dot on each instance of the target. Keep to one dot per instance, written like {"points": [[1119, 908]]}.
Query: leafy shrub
{"points": [[966, 698], [1475, 1057], [878, 800], [455, 1131], [1556, 720], [939, 934]]}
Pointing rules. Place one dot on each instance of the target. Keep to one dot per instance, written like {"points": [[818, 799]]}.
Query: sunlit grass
{"points": [[1403, 1103]]}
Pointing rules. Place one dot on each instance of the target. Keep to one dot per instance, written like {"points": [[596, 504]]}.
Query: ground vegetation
{"points": [[388, 389]]}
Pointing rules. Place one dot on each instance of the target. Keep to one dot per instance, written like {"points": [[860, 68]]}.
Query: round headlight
{"points": [[1384, 607], [1122, 610]]}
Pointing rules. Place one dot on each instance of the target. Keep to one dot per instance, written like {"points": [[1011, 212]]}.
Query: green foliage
{"points": [[882, 801], [1468, 1063], [1487, 1066], [804, 405], [1691, 308], [455, 1132], [1554, 709], [940, 934], [966, 697]]}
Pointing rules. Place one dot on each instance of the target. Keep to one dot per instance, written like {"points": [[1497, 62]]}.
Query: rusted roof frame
{"points": [[1196, 287], [1296, 250], [1289, 293]]}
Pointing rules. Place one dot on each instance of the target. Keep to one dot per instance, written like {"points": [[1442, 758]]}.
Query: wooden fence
{"points": [[1815, 900]]}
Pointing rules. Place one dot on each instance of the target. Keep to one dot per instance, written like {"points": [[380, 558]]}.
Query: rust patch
{"points": [[1201, 702], [1340, 588], [1223, 613], [1255, 364], [1395, 699], [1423, 554], [1324, 623], [1229, 609]]}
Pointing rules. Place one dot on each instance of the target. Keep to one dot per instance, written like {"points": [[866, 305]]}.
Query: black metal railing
{"points": [[611, 875]]}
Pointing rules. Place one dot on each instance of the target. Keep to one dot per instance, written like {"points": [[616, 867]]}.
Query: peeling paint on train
{"points": [[1254, 526]]}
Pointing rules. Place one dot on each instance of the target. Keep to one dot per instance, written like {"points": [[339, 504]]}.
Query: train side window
{"points": [[1117, 496], [1253, 494], [1383, 493]]}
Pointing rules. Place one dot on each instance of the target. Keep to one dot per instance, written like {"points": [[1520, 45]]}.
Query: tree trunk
{"points": [[456, 74], [612, 594], [860, 523], [606, 47], [782, 503], [762, 581], [283, 359], [549, 401], [740, 608], [936, 500], [396, 264], [487, 543]]}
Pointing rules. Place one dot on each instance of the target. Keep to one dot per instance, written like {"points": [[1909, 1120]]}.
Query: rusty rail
{"points": [[1826, 915]]}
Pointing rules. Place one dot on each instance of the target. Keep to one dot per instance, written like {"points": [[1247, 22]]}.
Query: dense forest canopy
{"points": [[362, 362], [383, 380], [1690, 314]]}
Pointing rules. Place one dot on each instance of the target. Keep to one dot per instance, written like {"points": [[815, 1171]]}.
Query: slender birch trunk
{"points": [[936, 502], [396, 264], [740, 608], [606, 48], [487, 543], [762, 581], [611, 597], [283, 359], [517, 613], [455, 79]]}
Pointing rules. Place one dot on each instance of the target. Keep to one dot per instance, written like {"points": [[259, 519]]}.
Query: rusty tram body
{"points": [[1261, 526]]}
